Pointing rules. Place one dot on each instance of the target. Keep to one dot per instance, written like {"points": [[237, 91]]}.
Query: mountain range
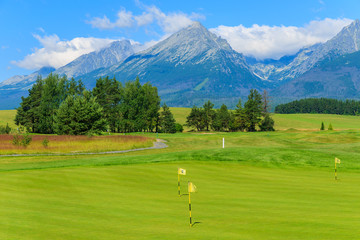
{"points": [[194, 65]]}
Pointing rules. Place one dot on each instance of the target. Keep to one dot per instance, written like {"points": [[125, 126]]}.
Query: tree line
{"points": [[250, 117], [320, 105], [62, 106]]}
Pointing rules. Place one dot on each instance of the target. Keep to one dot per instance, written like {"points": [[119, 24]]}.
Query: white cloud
{"points": [[57, 53], [169, 23], [276, 41], [124, 19]]}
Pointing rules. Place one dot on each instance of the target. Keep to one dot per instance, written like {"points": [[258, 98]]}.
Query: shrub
{"points": [[26, 140], [16, 140], [5, 129], [45, 142], [179, 127], [23, 140], [267, 124], [330, 127]]}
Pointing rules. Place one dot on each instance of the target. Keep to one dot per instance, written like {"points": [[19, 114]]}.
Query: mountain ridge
{"points": [[189, 64], [194, 65]]}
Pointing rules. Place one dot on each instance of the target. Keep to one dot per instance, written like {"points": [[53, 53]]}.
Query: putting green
{"points": [[234, 201]]}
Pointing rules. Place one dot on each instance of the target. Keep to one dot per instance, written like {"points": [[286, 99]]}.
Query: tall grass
{"points": [[74, 144]]}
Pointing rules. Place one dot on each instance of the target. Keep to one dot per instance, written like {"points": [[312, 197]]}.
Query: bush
{"points": [[330, 127], [267, 124], [5, 129], [23, 140], [26, 140], [16, 140], [45, 142], [179, 127]]}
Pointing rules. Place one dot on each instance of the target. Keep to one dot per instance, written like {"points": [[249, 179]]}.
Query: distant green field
{"points": [[313, 121], [7, 116], [264, 185]]}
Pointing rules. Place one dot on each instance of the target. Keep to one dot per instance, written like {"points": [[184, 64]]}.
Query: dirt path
{"points": [[159, 144]]}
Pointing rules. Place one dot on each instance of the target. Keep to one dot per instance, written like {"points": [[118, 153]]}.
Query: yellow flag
{"points": [[191, 187], [337, 160], [182, 171]]}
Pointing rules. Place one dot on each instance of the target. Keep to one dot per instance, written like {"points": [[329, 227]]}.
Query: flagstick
{"points": [[179, 184], [335, 172], [190, 209]]}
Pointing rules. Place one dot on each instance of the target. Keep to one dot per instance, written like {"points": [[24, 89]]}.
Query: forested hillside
{"points": [[320, 105]]}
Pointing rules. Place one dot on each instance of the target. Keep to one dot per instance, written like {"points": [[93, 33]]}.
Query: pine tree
{"points": [[28, 114], [253, 110], [195, 119], [167, 121], [222, 119], [322, 126], [80, 115], [109, 94], [208, 114], [240, 120], [330, 127]]}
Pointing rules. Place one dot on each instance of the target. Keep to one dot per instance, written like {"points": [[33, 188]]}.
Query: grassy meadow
{"points": [[8, 116], [74, 144], [275, 185]]}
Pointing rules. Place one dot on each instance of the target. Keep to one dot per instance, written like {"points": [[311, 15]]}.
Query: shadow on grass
{"points": [[195, 223]]}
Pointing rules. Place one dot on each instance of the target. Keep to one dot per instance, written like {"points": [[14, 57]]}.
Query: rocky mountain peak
{"points": [[191, 43], [110, 55]]}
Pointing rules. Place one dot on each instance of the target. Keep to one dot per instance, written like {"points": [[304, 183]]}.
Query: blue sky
{"points": [[44, 32]]}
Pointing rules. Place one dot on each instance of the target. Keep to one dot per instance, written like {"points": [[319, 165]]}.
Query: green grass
{"points": [[234, 201], [180, 114], [277, 185], [7, 116], [313, 121]]}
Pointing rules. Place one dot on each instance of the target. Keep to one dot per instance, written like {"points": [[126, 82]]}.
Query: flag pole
{"points": [[190, 209], [335, 171], [178, 183]]}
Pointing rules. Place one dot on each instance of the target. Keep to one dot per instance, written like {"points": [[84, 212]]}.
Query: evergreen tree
{"points": [[208, 114], [330, 127], [195, 119], [79, 115], [322, 126], [222, 119], [240, 121], [109, 94], [167, 120], [253, 110], [151, 107], [53, 93], [28, 114]]}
